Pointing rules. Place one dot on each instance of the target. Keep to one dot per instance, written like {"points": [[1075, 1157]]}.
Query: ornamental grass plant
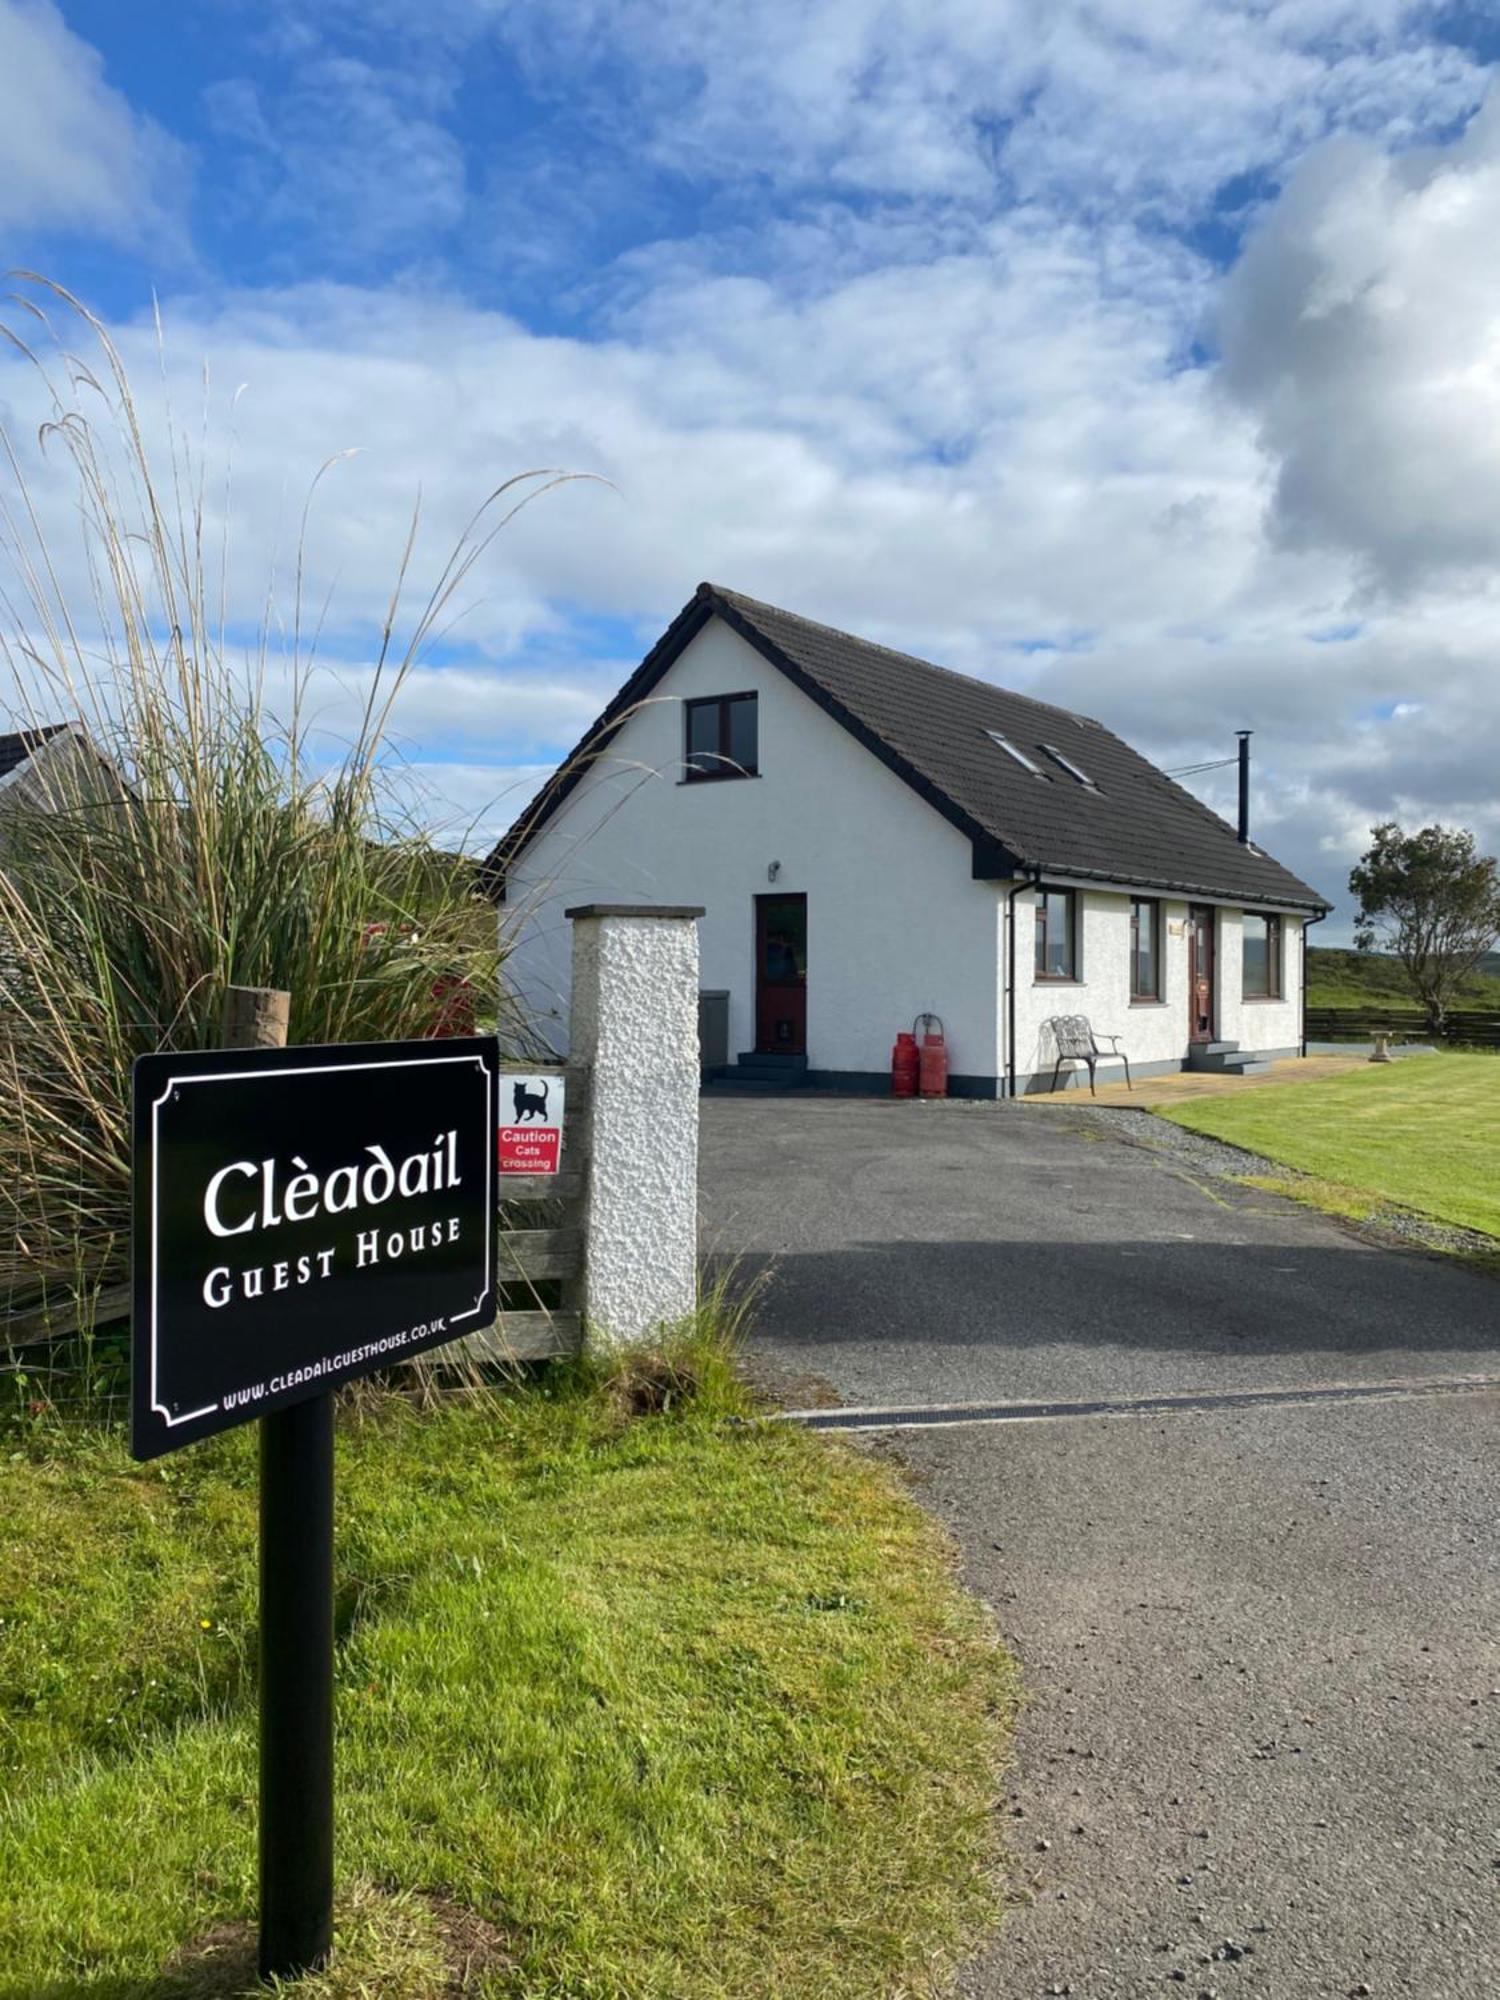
{"points": [[198, 823]]}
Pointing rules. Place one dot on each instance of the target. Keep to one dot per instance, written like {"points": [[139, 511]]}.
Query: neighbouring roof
{"points": [[936, 730], [16, 749]]}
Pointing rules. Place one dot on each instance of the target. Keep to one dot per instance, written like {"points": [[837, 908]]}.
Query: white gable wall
{"points": [[895, 922]]}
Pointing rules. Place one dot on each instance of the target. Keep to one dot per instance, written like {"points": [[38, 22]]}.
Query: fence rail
{"points": [[1475, 1029], [528, 1336], [539, 1253], [58, 1318]]}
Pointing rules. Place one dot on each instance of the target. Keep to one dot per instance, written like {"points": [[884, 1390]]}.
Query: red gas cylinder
{"points": [[932, 1060], [904, 1066]]}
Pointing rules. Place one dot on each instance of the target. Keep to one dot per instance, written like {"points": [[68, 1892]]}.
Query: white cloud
{"points": [[1362, 332], [73, 153], [934, 112], [467, 807], [494, 712], [1006, 417], [346, 153], [1108, 104]]}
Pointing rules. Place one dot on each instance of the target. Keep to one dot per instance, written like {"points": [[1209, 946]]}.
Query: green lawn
{"points": [[657, 1706], [1420, 1131]]}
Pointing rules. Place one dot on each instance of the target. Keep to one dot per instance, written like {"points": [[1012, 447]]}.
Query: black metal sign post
{"points": [[296, 1688], [302, 1217]]}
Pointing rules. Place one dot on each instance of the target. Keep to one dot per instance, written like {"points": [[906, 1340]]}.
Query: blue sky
{"points": [[1143, 356]]}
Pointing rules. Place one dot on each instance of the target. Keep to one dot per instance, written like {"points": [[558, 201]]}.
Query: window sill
{"points": [[1262, 999], [1055, 979], [720, 778], [1148, 1003]]}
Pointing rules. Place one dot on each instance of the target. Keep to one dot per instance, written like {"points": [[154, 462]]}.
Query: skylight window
{"points": [[1011, 751], [1070, 767]]}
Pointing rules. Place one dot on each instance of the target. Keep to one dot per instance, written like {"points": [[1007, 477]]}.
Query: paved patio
{"points": [[1151, 1091]]}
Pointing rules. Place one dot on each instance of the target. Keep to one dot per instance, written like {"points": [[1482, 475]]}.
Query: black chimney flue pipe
{"points": [[1244, 827]]}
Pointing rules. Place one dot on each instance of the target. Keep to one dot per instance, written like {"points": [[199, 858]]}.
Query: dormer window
{"points": [[1020, 756], [720, 738], [1070, 767]]}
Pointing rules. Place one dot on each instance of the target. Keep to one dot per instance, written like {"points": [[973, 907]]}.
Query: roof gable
{"points": [[937, 731], [18, 748]]}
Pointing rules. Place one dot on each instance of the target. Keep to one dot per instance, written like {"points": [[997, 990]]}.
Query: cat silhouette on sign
{"points": [[529, 1103]]}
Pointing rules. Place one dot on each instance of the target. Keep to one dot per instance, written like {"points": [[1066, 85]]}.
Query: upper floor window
{"points": [[1262, 960], [721, 737], [1145, 949], [1056, 945]]}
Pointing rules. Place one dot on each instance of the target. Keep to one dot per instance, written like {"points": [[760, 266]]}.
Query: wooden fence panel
{"points": [[528, 1336], [565, 1186], [57, 1321], [1363, 1023], [539, 1253], [529, 1255]]}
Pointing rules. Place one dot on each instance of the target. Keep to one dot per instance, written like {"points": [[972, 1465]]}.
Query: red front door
{"points": [[1201, 1008], [780, 975]]}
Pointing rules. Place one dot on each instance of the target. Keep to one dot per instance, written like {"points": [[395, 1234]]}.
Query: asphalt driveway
{"points": [[1263, 1738]]}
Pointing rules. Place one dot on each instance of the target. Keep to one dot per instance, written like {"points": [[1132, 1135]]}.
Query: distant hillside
{"points": [[1368, 979]]}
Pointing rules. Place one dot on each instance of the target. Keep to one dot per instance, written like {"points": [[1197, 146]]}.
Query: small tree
{"points": [[1434, 900]]}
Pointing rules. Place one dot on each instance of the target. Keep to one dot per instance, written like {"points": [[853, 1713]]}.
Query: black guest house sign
{"points": [[303, 1216]]}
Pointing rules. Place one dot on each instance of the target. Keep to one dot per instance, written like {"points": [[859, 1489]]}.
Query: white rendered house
{"points": [[873, 837]]}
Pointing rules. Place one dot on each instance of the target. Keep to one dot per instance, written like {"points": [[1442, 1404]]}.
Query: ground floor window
{"points": [[1145, 949], [1262, 960], [1056, 945]]}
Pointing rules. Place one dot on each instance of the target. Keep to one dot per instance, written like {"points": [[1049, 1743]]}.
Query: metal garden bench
{"points": [[1075, 1041]]}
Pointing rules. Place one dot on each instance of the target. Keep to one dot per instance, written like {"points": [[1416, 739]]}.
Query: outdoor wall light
{"points": [[773, 871]]}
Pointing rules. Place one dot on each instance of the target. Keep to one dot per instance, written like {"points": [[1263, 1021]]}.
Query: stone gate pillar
{"points": [[634, 1031]]}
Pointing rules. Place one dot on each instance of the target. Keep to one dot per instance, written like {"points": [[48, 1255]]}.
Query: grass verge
{"points": [[628, 1705], [1400, 1227], [1417, 1132]]}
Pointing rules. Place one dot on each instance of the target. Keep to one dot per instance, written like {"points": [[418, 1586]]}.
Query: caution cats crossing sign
{"points": [[531, 1120]]}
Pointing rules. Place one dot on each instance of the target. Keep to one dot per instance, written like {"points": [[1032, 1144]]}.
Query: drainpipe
{"points": [[1010, 983], [1244, 827], [1307, 924]]}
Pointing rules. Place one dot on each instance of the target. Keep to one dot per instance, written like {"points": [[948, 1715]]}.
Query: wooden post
{"points": [[255, 1017], [296, 1631]]}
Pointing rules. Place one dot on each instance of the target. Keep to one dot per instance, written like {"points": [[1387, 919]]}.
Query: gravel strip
{"points": [[1159, 1135], [1400, 1222], [1214, 1157]]}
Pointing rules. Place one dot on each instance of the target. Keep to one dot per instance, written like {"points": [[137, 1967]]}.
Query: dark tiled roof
{"points": [[16, 749], [1132, 826]]}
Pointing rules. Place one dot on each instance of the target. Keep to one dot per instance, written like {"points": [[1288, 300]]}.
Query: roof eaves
{"points": [[1310, 900]]}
